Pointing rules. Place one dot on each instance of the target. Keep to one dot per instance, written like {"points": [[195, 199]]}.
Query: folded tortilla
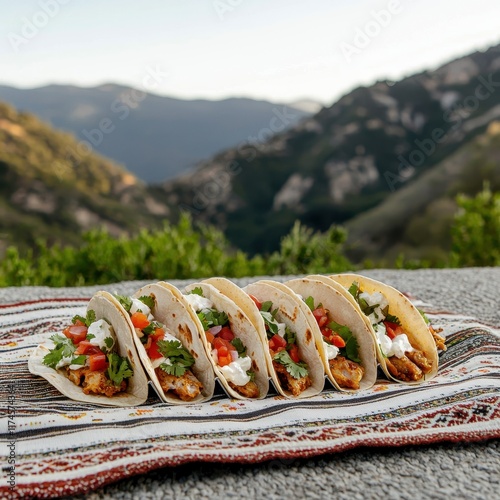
{"points": [[340, 310], [108, 308], [243, 329], [172, 310], [290, 313], [411, 320]]}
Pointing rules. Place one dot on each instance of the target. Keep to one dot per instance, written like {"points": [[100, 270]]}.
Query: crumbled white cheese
{"points": [[139, 306], [198, 302], [380, 301], [395, 347], [101, 330], [236, 371], [331, 350]]}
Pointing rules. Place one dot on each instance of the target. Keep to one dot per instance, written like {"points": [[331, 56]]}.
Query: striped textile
{"points": [[63, 447]]}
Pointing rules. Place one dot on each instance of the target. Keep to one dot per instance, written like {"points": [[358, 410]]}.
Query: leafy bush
{"points": [[476, 230], [174, 252]]}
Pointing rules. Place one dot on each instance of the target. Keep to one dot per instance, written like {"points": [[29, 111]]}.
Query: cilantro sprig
{"points": [[180, 358], [119, 368], [64, 348], [355, 291], [87, 320], [212, 317], [240, 347], [296, 370]]}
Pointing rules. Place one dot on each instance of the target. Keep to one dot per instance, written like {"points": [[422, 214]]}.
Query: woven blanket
{"points": [[54, 446]]}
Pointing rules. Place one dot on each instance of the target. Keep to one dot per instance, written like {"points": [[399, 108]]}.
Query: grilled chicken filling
{"points": [[346, 373], [94, 382], [186, 387], [249, 390], [295, 385]]}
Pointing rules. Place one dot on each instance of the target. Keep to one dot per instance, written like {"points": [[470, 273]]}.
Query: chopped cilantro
{"points": [[354, 290], [109, 342], [212, 317], [64, 348], [310, 303], [125, 301], [290, 337], [148, 300], [197, 291], [79, 360], [266, 306], [251, 374], [296, 370], [90, 336], [152, 327], [424, 316], [88, 320], [180, 358], [119, 368], [269, 318], [238, 344]]}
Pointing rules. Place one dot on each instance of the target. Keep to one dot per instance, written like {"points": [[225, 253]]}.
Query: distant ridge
{"points": [[155, 137]]}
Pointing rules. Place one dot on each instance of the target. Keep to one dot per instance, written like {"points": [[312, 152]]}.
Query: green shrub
{"points": [[476, 230], [173, 252]]}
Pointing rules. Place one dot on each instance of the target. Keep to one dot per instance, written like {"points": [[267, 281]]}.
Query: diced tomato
{"points": [[294, 353], [224, 360], [79, 322], [85, 347], [76, 333], [322, 321], [337, 341], [257, 302], [326, 332], [210, 337], [218, 343], [277, 343], [392, 329], [226, 333], [158, 333], [98, 362], [153, 351], [319, 312], [222, 351], [139, 320]]}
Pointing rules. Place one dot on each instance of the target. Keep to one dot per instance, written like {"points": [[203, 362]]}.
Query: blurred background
{"points": [[168, 139]]}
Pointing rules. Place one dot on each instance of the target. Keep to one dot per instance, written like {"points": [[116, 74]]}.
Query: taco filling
{"points": [[292, 372], [404, 362], [171, 361], [227, 351], [86, 353], [341, 348]]}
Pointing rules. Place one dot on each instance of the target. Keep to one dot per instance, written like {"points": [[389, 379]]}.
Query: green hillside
{"points": [[53, 188]]}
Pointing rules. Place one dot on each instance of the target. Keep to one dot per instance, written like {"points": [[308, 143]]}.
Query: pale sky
{"points": [[280, 50]]}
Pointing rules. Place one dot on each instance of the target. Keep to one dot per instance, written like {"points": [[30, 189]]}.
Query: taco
{"points": [[169, 344], [407, 350], [231, 342], [94, 359], [292, 359], [348, 349]]}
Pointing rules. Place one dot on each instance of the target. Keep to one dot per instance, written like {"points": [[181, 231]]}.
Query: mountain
{"points": [[155, 137], [352, 158], [52, 189]]}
